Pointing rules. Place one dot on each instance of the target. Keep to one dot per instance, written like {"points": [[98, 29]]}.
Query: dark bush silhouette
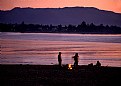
{"points": [[81, 28]]}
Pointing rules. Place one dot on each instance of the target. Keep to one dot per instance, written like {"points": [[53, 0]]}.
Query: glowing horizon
{"points": [[109, 5]]}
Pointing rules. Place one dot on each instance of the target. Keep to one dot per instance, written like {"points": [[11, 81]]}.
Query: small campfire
{"points": [[69, 66]]}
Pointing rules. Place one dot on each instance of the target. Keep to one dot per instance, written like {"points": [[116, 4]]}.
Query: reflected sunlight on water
{"points": [[21, 48]]}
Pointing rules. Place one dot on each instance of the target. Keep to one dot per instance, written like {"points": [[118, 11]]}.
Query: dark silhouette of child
{"points": [[98, 64], [59, 59], [75, 60]]}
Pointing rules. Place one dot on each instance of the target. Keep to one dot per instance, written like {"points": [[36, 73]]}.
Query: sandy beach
{"points": [[53, 75]]}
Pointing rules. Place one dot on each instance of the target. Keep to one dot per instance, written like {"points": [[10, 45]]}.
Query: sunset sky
{"points": [[111, 5]]}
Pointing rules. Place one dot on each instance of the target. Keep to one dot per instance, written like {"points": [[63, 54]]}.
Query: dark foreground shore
{"points": [[53, 75]]}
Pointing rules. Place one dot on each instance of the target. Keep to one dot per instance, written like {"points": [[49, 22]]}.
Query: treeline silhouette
{"points": [[81, 28]]}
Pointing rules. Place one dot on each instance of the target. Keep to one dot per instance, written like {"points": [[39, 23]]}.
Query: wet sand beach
{"points": [[53, 75]]}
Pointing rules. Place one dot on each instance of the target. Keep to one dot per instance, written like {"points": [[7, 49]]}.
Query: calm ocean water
{"points": [[43, 48]]}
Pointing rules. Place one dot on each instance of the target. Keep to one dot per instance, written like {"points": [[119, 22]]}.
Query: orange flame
{"points": [[70, 66]]}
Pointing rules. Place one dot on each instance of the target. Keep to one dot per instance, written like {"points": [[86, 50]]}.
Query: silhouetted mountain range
{"points": [[64, 16]]}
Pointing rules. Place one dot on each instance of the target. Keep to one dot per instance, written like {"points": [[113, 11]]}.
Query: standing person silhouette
{"points": [[75, 60], [59, 59]]}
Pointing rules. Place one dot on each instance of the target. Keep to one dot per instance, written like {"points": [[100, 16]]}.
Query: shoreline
{"points": [[53, 75]]}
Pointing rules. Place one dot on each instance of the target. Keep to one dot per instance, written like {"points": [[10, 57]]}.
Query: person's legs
{"points": [[74, 64], [59, 63]]}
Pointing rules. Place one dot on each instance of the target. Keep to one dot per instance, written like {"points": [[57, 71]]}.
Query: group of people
{"points": [[74, 57], [98, 64]]}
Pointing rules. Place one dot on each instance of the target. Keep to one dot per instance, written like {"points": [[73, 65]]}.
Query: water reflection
{"points": [[33, 51]]}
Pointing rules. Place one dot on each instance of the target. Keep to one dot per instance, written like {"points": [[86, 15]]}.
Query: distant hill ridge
{"points": [[64, 16]]}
